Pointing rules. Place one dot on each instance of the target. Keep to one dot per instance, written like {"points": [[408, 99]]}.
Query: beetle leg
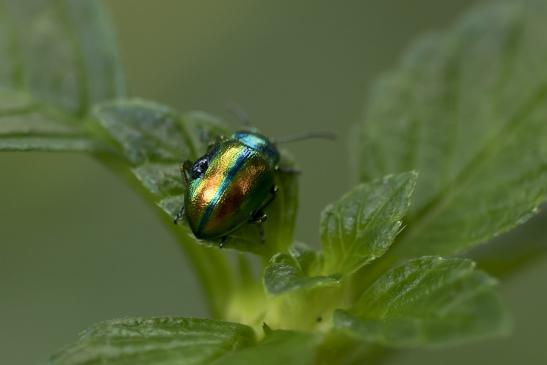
{"points": [[261, 231], [222, 241], [185, 173], [185, 169], [288, 170], [179, 216], [259, 217]]}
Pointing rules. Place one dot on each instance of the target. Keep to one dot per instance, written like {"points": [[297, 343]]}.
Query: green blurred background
{"points": [[78, 246]]}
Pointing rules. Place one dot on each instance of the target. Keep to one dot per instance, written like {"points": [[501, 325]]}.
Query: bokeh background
{"points": [[78, 246]]}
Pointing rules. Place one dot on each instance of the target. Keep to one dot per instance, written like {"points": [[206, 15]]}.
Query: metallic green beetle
{"points": [[230, 185]]}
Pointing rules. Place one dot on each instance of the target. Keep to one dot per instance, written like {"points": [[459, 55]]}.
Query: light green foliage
{"points": [[358, 228], [361, 226], [427, 301], [467, 109], [355, 230], [57, 58], [164, 341], [285, 273]]}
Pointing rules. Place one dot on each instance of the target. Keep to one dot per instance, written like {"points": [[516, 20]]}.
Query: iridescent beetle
{"points": [[232, 184]]}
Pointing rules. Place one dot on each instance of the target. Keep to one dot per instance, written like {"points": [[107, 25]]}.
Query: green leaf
{"points": [[60, 52], [300, 297], [146, 131], [515, 250], [26, 125], [285, 274], [279, 347], [427, 301], [155, 341], [361, 226], [467, 109], [56, 59]]}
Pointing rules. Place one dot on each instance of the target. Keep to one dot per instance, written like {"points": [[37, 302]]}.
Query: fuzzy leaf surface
{"points": [[26, 125], [285, 274], [60, 52], [427, 301], [361, 226], [156, 341], [467, 109], [57, 58]]}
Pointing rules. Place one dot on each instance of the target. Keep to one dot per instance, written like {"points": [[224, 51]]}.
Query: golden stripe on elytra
{"points": [[207, 188]]}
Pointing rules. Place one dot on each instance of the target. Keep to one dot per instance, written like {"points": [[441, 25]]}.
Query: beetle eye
{"points": [[199, 168]]}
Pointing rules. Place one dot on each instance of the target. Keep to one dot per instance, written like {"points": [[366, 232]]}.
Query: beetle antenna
{"points": [[331, 136], [236, 110]]}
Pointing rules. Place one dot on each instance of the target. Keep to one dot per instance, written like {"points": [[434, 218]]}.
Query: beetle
{"points": [[232, 184]]}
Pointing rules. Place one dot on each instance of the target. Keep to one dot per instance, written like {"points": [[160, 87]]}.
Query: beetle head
{"points": [[199, 167]]}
